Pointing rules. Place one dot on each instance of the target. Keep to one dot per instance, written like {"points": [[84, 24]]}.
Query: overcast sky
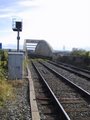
{"points": [[62, 23]]}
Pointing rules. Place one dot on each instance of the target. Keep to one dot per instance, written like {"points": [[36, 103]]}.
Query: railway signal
{"points": [[17, 26]]}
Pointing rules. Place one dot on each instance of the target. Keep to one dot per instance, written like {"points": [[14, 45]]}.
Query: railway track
{"points": [[74, 67], [78, 71], [78, 80], [75, 100], [49, 106]]}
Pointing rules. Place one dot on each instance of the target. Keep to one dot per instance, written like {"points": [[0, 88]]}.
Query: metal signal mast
{"points": [[17, 26]]}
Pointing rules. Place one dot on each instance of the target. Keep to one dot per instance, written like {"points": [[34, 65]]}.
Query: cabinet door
{"points": [[11, 66], [15, 63], [18, 67]]}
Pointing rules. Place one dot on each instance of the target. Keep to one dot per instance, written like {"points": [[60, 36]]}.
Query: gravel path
{"points": [[19, 107]]}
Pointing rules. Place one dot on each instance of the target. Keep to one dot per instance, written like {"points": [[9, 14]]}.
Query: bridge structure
{"points": [[37, 48]]}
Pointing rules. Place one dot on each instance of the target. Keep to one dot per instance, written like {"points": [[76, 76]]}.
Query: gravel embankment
{"points": [[18, 108]]}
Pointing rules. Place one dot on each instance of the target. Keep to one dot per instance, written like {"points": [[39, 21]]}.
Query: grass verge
{"points": [[6, 92]]}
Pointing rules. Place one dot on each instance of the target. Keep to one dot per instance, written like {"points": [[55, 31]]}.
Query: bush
{"points": [[3, 59], [6, 89]]}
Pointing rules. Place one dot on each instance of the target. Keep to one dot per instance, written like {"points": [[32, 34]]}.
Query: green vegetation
{"points": [[80, 52], [5, 87], [3, 64], [6, 91], [83, 54], [77, 57], [25, 62]]}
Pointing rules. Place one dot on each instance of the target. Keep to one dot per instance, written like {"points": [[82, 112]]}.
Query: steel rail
{"points": [[74, 67], [60, 108], [71, 70], [84, 93]]}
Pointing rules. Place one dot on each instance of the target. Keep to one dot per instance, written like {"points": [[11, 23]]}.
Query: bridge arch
{"points": [[44, 49]]}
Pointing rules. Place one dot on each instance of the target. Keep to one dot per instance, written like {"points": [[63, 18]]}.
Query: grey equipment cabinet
{"points": [[15, 65]]}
